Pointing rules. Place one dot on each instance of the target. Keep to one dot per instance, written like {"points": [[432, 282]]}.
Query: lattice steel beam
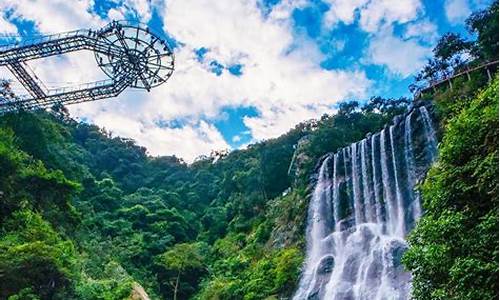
{"points": [[129, 54], [26, 79]]}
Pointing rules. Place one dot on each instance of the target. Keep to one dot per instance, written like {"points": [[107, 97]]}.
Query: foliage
{"points": [[454, 249], [115, 208], [87, 215], [485, 24], [239, 276], [181, 260], [454, 53], [33, 256]]}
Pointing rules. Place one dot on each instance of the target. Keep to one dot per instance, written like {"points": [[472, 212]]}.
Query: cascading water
{"points": [[362, 207]]}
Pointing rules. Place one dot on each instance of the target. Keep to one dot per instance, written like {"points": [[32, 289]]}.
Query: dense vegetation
{"points": [[85, 215], [455, 54], [454, 248]]}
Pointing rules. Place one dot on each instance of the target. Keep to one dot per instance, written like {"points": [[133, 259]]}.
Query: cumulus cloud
{"points": [[373, 14], [188, 142], [402, 57], [343, 11], [281, 75], [287, 82], [6, 27], [69, 69], [276, 121], [384, 12], [457, 10], [423, 30], [142, 9], [236, 138], [51, 16]]}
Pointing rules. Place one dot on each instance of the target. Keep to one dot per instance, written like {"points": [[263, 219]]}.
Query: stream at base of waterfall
{"points": [[363, 205]]}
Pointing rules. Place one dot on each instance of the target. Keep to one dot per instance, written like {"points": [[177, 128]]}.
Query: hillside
{"points": [[109, 205]]}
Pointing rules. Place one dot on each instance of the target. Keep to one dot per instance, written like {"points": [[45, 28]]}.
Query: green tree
{"points": [[485, 24], [182, 258], [453, 53], [32, 255]]}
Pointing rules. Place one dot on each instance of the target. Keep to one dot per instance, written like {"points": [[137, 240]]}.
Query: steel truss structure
{"points": [[128, 53]]}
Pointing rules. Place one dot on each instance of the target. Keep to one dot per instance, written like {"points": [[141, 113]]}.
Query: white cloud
{"points": [[52, 16], [187, 142], [401, 57], [343, 11], [378, 18], [285, 87], [236, 138], [385, 12], [338, 45], [274, 79], [140, 8], [456, 10], [285, 84], [6, 27], [373, 14], [423, 30], [282, 10], [69, 69], [275, 122]]}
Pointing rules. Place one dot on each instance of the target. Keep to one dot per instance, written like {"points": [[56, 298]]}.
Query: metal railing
{"points": [[449, 80]]}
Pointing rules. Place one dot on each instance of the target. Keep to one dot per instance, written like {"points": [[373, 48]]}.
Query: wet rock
{"points": [[326, 265]]}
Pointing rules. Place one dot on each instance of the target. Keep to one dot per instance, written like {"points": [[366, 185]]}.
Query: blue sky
{"points": [[245, 71]]}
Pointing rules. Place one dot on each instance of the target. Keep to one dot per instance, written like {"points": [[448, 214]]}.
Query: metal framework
{"points": [[129, 54]]}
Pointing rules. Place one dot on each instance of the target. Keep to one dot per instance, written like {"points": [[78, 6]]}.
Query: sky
{"points": [[245, 70]]}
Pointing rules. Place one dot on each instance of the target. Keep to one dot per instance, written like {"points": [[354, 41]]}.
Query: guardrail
{"points": [[448, 80]]}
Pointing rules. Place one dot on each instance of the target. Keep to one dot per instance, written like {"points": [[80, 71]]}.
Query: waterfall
{"points": [[429, 129], [363, 205]]}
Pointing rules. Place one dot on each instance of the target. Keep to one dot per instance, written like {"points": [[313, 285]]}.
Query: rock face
{"points": [[363, 205], [138, 293]]}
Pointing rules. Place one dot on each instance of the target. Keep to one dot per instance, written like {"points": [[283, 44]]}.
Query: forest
{"points": [[88, 215]]}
